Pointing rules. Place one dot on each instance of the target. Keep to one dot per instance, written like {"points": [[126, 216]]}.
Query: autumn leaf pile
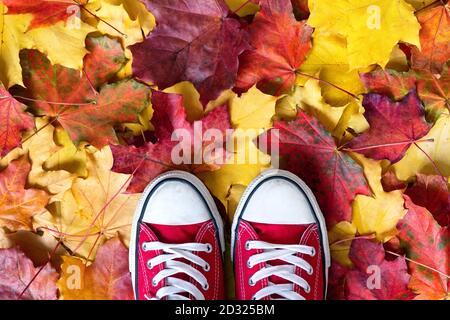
{"points": [[91, 92]]}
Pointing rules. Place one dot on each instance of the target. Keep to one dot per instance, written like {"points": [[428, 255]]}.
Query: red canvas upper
{"points": [[199, 233], [278, 234]]}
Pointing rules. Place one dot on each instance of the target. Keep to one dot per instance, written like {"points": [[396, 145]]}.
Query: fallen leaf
{"points": [[372, 30], [205, 54], [85, 114], [434, 35], [280, 45], [394, 127]]}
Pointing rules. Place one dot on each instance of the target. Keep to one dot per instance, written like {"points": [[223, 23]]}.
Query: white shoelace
{"points": [[175, 287], [286, 253]]}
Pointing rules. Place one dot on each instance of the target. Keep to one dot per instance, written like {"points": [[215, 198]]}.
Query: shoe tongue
{"points": [[279, 233], [176, 234]]}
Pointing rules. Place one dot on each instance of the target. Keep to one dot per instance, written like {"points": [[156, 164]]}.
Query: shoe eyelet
{"points": [[149, 265], [206, 287], [209, 248], [247, 245], [313, 252], [254, 298], [308, 289], [249, 265], [144, 247], [207, 267], [310, 271], [154, 283], [251, 283]]}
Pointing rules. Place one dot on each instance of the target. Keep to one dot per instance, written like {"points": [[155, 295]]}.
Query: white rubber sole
{"points": [[312, 199], [198, 184]]}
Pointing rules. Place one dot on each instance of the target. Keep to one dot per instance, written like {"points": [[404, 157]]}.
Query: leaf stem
{"points": [[328, 83], [388, 144], [418, 263]]}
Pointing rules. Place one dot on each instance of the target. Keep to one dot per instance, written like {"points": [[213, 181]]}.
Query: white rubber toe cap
{"points": [[176, 202], [278, 201]]}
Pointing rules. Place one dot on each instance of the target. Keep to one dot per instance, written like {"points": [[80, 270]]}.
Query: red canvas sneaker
{"points": [[177, 242], [279, 241]]}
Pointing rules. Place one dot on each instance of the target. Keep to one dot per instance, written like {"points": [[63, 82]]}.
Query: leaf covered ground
{"points": [[91, 92]]}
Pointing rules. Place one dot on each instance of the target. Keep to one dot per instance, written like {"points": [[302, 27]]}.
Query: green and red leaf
{"points": [[85, 106]]}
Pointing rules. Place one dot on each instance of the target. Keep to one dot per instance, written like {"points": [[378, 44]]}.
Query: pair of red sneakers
{"points": [[279, 241]]}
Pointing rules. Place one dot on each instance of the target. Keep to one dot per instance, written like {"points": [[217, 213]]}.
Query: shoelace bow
{"points": [[174, 287], [286, 253]]}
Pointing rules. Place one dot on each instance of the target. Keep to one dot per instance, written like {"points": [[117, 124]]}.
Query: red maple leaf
{"points": [[13, 120], [375, 278], [151, 159], [394, 127], [434, 35], [280, 46], [72, 98], [428, 245], [45, 12], [205, 53], [17, 271], [432, 193], [309, 151]]}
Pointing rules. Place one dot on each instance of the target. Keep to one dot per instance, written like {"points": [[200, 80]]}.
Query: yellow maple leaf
{"points": [[41, 146], [380, 213], [63, 44], [94, 209], [330, 59], [253, 110], [432, 156], [372, 28]]}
